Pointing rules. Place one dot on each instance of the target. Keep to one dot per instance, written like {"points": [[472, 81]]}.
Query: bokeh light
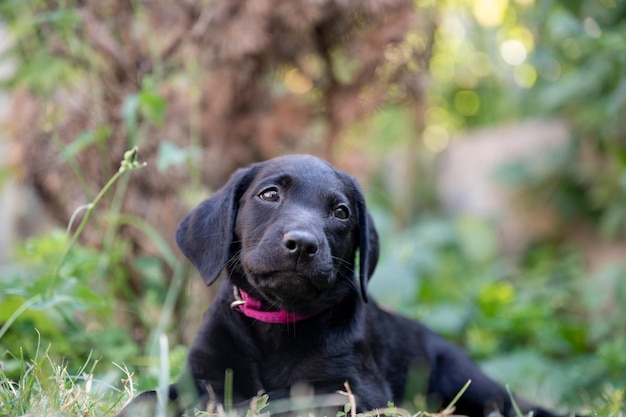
{"points": [[296, 82], [436, 138], [513, 52], [489, 13], [525, 75]]}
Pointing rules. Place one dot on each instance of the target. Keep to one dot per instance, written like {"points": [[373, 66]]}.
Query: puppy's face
{"points": [[296, 230]]}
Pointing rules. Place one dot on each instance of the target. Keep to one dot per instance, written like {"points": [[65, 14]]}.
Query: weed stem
{"points": [[129, 163]]}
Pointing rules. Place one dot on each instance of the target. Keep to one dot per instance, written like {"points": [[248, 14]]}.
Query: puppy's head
{"points": [[287, 229]]}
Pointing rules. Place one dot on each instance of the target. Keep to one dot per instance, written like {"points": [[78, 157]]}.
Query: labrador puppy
{"points": [[298, 247]]}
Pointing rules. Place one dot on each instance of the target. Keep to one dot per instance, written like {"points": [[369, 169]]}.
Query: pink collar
{"points": [[251, 307]]}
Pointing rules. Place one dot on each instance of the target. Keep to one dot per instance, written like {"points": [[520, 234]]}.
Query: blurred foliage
{"points": [[60, 296], [500, 60], [541, 321]]}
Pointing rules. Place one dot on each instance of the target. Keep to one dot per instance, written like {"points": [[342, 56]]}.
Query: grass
{"points": [[46, 388]]}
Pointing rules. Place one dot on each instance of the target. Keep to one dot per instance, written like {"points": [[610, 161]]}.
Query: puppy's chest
{"points": [[285, 368], [326, 373]]}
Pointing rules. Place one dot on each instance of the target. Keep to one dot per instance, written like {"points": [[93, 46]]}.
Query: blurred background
{"points": [[489, 135]]}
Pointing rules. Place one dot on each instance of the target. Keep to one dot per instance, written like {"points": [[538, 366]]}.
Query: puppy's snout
{"points": [[300, 242]]}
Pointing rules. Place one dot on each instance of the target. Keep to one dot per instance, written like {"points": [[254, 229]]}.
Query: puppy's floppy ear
{"points": [[206, 234], [368, 246], [368, 238]]}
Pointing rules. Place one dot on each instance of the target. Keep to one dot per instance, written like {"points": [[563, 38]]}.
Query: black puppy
{"points": [[295, 310]]}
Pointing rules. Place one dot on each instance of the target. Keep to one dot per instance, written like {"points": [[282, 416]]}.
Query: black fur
{"points": [[278, 229]]}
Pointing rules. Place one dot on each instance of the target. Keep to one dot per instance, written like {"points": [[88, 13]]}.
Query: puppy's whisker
{"points": [[351, 281]]}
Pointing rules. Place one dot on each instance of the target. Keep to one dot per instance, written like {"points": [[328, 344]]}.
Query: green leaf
{"points": [[171, 154], [83, 141], [496, 297], [42, 72], [612, 221], [574, 6], [478, 241], [129, 113], [152, 106], [64, 17], [617, 100]]}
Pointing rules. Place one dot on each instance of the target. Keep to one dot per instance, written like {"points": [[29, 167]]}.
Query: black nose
{"points": [[299, 242]]}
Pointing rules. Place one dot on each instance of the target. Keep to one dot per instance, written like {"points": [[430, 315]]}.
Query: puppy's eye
{"points": [[270, 194], [341, 212]]}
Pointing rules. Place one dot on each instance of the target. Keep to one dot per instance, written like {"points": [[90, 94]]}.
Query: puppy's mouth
{"points": [[292, 290]]}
